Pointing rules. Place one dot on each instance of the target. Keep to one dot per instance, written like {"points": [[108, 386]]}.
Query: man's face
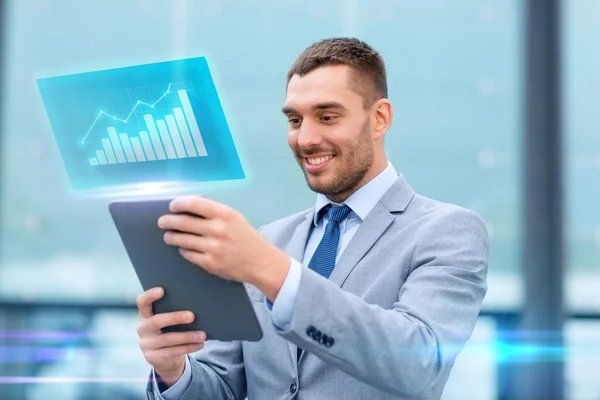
{"points": [[329, 131]]}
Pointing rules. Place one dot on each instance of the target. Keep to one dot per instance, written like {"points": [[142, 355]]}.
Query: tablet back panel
{"points": [[222, 308]]}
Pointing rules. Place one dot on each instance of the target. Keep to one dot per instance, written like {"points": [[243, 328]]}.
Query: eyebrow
{"points": [[319, 106]]}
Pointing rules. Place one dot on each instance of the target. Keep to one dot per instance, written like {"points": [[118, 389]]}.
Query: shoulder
{"points": [[447, 222]]}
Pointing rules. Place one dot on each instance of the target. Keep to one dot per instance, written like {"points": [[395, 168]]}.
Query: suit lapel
{"points": [[370, 230], [396, 199]]}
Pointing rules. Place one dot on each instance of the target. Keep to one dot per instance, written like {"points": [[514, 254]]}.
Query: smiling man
{"points": [[369, 294]]}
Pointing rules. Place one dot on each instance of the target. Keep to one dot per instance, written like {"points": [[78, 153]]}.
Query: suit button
{"points": [[317, 335], [329, 342], [311, 329], [324, 339], [293, 388]]}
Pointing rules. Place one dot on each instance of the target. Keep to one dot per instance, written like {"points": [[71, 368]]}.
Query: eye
{"points": [[328, 118], [294, 121]]}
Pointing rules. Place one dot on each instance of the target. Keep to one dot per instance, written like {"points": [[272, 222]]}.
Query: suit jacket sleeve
{"points": [[217, 372], [408, 348], [176, 391]]}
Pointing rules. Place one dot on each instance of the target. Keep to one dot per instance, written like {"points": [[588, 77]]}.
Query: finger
{"points": [[171, 339], [197, 205], [157, 356], [195, 257], [154, 324], [187, 241], [162, 320], [184, 223], [144, 301], [217, 228]]}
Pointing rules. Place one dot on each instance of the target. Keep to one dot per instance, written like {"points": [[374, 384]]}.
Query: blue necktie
{"points": [[323, 261]]}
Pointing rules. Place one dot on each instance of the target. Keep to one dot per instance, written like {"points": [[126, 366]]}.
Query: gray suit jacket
{"points": [[388, 324]]}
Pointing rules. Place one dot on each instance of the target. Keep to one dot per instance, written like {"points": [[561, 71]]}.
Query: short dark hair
{"points": [[369, 78]]}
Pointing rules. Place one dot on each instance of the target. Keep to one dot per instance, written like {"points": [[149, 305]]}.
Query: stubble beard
{"points": [[351, 169]]}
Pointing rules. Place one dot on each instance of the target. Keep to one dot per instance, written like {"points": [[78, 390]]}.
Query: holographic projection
{"points": [[149, 123]]}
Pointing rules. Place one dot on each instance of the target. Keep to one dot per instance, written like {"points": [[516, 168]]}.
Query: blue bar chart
{"points": [[175, 136], [119, 128]]}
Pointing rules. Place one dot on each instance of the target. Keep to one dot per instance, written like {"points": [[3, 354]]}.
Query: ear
{"points": [[382, 115]]}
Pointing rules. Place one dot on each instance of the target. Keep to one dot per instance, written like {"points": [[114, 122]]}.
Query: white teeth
{"points": [[319, 160]]}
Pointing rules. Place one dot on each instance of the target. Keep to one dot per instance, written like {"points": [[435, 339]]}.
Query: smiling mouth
{"points": [[317, 164], [316, 161]]}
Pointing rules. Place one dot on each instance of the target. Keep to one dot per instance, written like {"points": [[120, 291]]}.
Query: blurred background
{"points": [[464, 82]]}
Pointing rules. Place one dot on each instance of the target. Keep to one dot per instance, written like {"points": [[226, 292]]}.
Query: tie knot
{"points": [[338, 213]]}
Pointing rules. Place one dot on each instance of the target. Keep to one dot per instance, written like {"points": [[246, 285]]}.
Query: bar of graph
{"points": [[174, 132], [191, 119], [173, 136], [156, 143], [127, 147], [147, 145], [137, 148], [101, 157], [185, 132], [164, 134], [116, 143], [108, 150]]}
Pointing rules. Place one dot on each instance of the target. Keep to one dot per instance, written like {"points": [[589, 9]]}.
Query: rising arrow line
{"points": [[101, 113]]}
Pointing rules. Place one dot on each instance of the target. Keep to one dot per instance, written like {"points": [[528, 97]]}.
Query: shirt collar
{"points": [[364, 199]]}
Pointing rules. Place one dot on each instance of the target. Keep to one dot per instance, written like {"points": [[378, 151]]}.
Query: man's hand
{"points": [[165, 351], [221, 241]]}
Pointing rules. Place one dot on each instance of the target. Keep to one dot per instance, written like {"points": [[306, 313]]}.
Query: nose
{"points": [[309, 135]]}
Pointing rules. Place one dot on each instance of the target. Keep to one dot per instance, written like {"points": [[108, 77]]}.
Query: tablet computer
{"points": [[222, 308]]}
